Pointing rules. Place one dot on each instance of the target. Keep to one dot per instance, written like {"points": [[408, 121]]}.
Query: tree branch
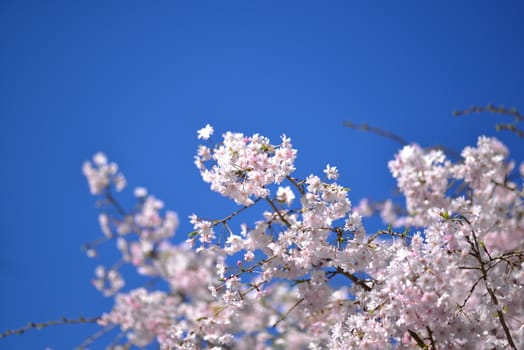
{"points": [[42, 325]]}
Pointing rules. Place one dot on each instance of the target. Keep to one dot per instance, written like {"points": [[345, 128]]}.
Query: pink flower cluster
{"points": [[307, 274], [102, 174], [243, 166]]}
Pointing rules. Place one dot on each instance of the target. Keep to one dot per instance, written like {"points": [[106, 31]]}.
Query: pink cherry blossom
{"points": [[446, 273]]}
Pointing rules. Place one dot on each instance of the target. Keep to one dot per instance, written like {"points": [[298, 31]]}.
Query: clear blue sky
{"points": [[136, 79]]}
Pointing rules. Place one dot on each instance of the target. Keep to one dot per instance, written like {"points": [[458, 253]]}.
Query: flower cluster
{"points": [[102, 174], [307, 274], [243, 166]]}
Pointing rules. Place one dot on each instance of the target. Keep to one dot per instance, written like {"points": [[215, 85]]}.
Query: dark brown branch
{"points": [[491, 109], [284, 220], [297, 184], [476, 252], [92, 338], [419, 340], [512, 112], [510, 127], [394, 137], [500, 315], [232, 215], [378, 131], [42, 325], [283, 316], [116, 204], [354, 279], [431, 340]]}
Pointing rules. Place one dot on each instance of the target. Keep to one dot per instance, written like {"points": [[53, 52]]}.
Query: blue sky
{"points": [[136, 79]]}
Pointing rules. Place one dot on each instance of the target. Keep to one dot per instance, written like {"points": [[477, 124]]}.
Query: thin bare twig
{"points": [[93, 337], [274, 207], [42, 325], [512, 112], [397, 138], [378, 131], [284, 315]]}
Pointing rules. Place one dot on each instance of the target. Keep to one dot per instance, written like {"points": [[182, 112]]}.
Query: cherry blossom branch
{"points": [[284, 315], [500, 314], [93, 337], [95, 243], [42, 325], [477, 254], [377, 131], [312, 251], [493, 109], [297, 183], [354, 279], [510, 127], [472, 289], [274, 207], [120, 209], [235, 213], [395, 137], [513, 112], [249, 269], [430, 336], [418, 340], [506, 186], [115, 203]]}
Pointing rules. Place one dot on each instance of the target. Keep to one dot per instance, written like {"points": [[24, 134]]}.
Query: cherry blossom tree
{"points": [[446, 273]]}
